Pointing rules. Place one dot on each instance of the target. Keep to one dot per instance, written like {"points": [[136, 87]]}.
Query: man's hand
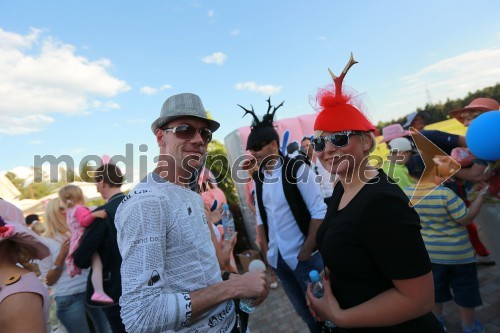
{"points": [[227, 247], [305, 252], [252, 285]]}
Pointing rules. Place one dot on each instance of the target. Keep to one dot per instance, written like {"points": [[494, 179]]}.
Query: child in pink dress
{"points": [[79, 217]]}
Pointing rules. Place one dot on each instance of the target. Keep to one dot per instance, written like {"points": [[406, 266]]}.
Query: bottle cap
{"points": [[256, 265], [314, 276], [226, 207]]}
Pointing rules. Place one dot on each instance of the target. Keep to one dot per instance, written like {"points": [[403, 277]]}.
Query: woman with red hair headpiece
{"points": [[377, 272]]}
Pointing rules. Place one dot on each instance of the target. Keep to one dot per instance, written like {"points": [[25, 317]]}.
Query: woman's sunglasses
{"points": [[338, 140], [188, 132]]}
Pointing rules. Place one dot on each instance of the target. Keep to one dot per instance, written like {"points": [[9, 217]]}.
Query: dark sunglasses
{"points": [[188, 132], [259, 146], [339, 140]]}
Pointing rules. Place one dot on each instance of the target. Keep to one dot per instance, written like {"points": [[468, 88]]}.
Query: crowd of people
{"points": [[156, 259]]}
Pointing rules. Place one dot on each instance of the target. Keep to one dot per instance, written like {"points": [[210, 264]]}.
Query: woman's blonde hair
{"points": [[71, 195], [55, 219], [373, 138]]}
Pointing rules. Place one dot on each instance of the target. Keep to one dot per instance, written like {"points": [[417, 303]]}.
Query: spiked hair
{"points": [[262, 130]]}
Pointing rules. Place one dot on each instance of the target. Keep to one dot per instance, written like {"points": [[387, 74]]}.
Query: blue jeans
{"points": [[71, 312], [295, 284]]}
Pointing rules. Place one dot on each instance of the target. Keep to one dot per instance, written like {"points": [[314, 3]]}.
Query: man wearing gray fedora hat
{"points": [[171, 279]]}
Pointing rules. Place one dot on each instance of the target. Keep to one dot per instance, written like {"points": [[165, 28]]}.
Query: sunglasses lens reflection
{"points": [[337, 140], [186, 132], [318, 144]]}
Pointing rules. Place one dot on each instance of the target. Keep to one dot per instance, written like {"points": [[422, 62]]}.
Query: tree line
{"points": [[439, 111]]}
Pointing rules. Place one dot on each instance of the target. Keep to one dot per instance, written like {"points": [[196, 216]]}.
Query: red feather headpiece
{"points": [[336, 110]]}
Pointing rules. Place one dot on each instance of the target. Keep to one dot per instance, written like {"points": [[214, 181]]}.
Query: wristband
{"points": [[225, 276]]}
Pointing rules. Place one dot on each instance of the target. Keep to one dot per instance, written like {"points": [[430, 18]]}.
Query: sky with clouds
{"points": [[88, 78]]}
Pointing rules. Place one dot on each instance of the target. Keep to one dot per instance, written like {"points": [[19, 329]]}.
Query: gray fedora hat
{"points": [[183, 105]]}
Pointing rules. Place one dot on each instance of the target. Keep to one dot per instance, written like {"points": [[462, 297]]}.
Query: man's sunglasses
{"points": [[339, 140], [188, 132], [259, 146]]}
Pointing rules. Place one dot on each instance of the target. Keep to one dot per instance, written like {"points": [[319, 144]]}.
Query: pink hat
{"points": [[17, 231], [478, 105], [393, 131]]}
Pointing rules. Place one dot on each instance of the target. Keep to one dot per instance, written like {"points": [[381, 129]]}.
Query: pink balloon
{"points": [[105, 159]]}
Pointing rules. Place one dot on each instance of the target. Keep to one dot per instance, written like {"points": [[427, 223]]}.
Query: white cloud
{"points": [[22, 172], [110, 105], [41, 76], [450, 78], [13, 125], [252, 86], [146, 90], [218, 57], [234, 32], [211, 13]]}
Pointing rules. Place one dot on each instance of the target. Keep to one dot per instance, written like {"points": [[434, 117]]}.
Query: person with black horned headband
{"points": [[289, 209]]}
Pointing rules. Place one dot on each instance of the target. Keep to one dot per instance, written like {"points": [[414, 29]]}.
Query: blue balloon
{"points": [[483, 136]]}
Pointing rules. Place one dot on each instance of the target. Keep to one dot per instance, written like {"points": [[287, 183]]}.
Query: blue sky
{"points": [[85, 78]]}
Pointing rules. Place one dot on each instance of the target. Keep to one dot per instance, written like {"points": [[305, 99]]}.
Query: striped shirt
{"points": [[446, 240]]}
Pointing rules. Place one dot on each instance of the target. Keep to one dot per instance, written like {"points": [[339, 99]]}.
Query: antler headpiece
{"points": [[336, 110], [262, 130]]}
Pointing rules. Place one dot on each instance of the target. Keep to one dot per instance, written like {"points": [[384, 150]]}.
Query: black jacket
{"points": [[289, 176], [100, 236]]}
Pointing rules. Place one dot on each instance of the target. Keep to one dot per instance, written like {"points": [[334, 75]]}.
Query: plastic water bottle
{"points": [[318, 291], [227, 223], [246, 304]]}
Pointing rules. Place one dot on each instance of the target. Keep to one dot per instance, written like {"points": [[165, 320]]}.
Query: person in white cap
{"points": [[401, 150], [171, 280]]}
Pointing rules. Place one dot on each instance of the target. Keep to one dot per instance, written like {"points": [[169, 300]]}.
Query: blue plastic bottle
{"points": [[318, 291]]}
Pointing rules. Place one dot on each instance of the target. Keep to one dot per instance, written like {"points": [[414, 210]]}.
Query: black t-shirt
{"points": [[373, 240]]}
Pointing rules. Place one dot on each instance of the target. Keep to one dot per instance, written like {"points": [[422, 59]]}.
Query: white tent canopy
{"points": [[8, 191]]}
